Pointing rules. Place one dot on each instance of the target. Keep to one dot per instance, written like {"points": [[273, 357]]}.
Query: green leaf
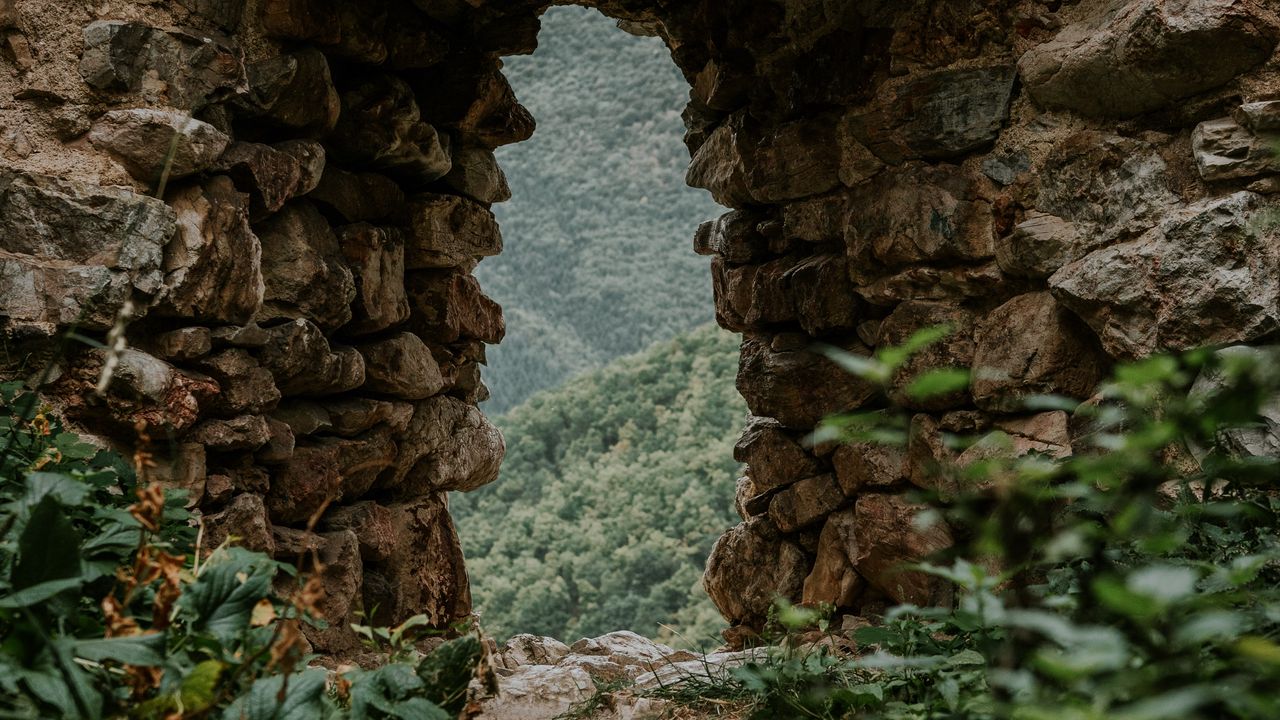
{"points": [[938, 382], [199, 687], [448, 670], [1163, 583], [49, 548], [37, 594], [1119, 598], [303, 700], [222, 598], [146, 650]]}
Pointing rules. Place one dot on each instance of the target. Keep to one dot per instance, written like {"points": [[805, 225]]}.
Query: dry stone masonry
{"points": [[288, 197]]}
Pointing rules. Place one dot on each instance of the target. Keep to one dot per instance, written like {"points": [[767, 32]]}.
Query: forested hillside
{"points": [[597, 262], [614, 488]]}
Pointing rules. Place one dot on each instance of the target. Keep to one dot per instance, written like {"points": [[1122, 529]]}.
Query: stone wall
{"points": [[288, 197]]}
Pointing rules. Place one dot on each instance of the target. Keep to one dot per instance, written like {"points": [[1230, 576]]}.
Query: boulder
{"points": [[304, 271], [142, 389], [172, 67], [349, 417], [805, 502], [477, 175], [448, 306], [774, 459], [245, 432], [1041, 244], [1259, 439], [793, 161], [833, 580], [213, 264], [1226, 150], [798, 387], [300, 359], [869, 466], [1209, 274], [244, 523], [183, 344], [1147, 54], [749, 567], [734, 236], [495, 117], [449, 445], [887, 538], [449, 231], [401, 366], [1031, 345], [292, 90], [375, 257], [937, 114], [336, 561], [151, 144], [373, 525], [719, 167]]}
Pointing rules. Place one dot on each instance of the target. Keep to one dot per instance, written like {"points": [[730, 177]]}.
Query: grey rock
{"points": [[1209, 274], [270, 176], [293, 91], [449, 445], [1260, 439], [149, 143], [773, 457], [246, 432], [245, 386], [1227, 150], [183, 70], [184, 344], [1041, 244], [1259, 116], [1143, 55]]}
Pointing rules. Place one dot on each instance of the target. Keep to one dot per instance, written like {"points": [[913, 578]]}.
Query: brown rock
{"points": [[270, 176], [931, 283], [1146, 54], [176, 68], [449, 445], [155, 143], [362, 459], [184, 344], [794, 161], [833, 581], [477, 175], [953, 351], [246, 432], [182, 468], [495, 118], [142, 389], [303, 269], [337, 563], [930, 463], [1226, 150], [357, 196], [888, 538], [293, 91], [797, 387], [869, 466], [280, 443], [305, 483], [381, 127], [806, 502], [401, 366], [300, 360], [449, 306], [351, 416], [375, 257], [373, 525], [1044, 433], [213, 264], [449, 231], [719, 166], [243, 523], [425, 573], [749, 567], [246, 386], [734, 236], [1041, 244], [774, 458], [1030, 346]]}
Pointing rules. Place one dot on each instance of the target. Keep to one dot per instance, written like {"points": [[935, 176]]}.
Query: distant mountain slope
{"points": [[614, 488], [598, 234]]}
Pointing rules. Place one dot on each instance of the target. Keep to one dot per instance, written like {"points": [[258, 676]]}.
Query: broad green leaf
{"points": [[304, 698], [37, 594], [448, 670], [49, 548], [1163, 583], [200, 686], [223, 597], [938, 382], [145, 650], [1119, 598]]}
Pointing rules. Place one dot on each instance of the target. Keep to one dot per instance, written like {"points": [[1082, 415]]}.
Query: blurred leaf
{"points": [[146, 650], [938, 382]]}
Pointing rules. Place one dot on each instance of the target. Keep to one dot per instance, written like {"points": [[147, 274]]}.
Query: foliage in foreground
{"points": [[1135, 579], [612, 493], [108, 610]]}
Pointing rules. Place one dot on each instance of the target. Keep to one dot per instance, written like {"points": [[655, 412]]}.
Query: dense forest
{"points": [[614, 488], [597, 261]]}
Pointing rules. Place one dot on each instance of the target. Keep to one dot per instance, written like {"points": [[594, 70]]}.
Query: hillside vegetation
{"points": [[614, 488], [597, 262]]}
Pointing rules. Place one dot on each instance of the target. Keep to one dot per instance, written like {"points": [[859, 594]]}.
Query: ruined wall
{"points": [[1063, 183]]}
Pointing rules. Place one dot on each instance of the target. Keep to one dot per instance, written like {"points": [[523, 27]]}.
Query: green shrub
{"points": [[1129, 580], [106, 611]]}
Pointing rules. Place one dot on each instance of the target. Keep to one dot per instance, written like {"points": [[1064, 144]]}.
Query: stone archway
{"points": [[308, 335]]}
